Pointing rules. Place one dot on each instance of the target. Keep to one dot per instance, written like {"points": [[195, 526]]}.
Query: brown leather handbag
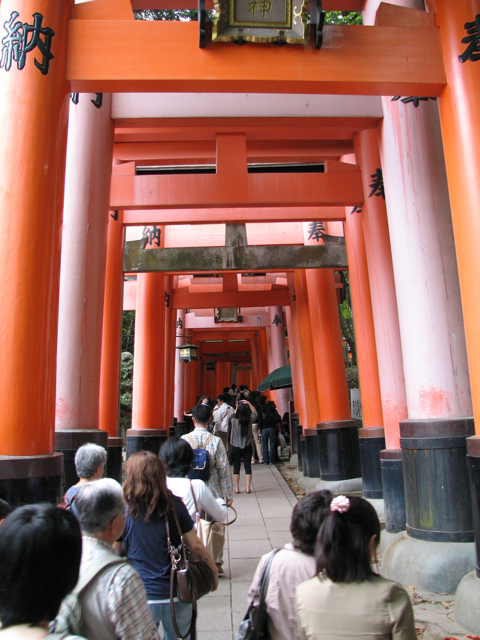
{"points": [[189, 572]]}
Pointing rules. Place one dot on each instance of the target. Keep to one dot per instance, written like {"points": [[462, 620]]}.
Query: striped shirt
{"points": [[221, 478]]}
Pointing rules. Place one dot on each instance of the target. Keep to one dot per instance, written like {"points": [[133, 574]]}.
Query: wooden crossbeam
{"points": [[185, 300], [247, 190], [131, 55]]}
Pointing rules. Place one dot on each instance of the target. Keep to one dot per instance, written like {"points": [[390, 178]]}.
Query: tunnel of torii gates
{"points": [[190, 133]]}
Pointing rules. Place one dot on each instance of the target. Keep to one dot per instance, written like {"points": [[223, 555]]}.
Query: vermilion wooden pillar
{"points": [[306, 350], [148, 430], [112, 325], [111, 345], [460, 123], [82, 278], [34, 115], [387, 330]]}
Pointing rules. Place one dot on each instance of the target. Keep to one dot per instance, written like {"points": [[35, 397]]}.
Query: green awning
{"points": [[278, 379]]}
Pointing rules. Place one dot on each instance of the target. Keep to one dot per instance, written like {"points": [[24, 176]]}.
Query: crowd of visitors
{"points": [[102, 566]]}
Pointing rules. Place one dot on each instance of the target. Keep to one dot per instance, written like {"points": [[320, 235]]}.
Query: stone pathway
{"points": [[263, 524]]}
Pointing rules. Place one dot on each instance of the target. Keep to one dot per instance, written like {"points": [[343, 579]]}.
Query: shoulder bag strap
{"points": [[191, 440], [265, 578], [235, 512], [194, 499], [174, 556], [94, 570]]}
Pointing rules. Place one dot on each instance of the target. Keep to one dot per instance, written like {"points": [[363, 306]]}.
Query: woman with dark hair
{"points": [[150, 503], [348, 600], [292, 565], [40, 552], [240, 437], [177, 457]]}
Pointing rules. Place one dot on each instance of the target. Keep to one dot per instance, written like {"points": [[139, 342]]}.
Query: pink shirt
{"points": [[289, 568]]}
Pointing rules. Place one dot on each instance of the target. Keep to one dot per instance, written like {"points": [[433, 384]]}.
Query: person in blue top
{"points": [[149, 503]]}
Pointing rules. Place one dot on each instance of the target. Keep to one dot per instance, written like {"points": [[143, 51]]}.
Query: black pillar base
{"points": [[67, 441], [293, 432], [181, 428], [303, 456], [312, 454], [372, 441], [299, 434], [437, 488], [393, 490], [145, 440], [339, 450], [29, 479], [473, 463], [115, 459]]}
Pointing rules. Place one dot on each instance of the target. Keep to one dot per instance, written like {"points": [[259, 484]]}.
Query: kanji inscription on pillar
{"points": [[277, 320], [472, 52], [316, 231], [179, 324], [377, 188], [278, 21], [23, 38]]}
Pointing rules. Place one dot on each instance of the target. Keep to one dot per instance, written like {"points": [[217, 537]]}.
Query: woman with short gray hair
{"points": [[90, 461]]}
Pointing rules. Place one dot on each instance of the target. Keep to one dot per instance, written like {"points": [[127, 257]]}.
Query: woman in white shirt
{"points": [[177, 456]]}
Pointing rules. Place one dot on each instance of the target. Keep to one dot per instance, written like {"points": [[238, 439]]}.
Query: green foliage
{"points": [[186, 15], [352, 377], [128, 331], [343, 17], [126, 386]]}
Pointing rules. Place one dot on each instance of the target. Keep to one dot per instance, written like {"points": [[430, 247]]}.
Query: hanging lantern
{"points": [[188, 352]]}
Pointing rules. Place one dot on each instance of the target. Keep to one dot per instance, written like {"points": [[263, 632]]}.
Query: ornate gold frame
{"points": [[227, 29]]}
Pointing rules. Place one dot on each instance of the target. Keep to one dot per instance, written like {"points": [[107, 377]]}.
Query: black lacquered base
{"points": [[299, 434], [371, 441], [145, 440], [339, 450], [312, 454], [25, 480], [181, 428], [393, 490], [437, 487], [293, 432], [115, 459], [473, 463], [67, 441], [303, 451]]}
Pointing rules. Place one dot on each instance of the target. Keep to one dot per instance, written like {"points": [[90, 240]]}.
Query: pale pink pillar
{"points": [[279, 354], [82, 276], [179, 399], [170, 352]]}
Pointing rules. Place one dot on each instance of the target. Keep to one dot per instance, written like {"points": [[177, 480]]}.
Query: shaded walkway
{"points": [[263, 524]]}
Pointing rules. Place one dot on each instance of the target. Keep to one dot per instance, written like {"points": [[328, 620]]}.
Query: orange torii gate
{"points": [[100, 48]]}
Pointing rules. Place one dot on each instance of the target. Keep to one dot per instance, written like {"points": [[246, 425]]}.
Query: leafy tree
{"points": [[126, 370], [185, 15]]}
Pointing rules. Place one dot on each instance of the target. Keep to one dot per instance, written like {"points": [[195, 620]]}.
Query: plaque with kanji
{"points": [[278, 21]]}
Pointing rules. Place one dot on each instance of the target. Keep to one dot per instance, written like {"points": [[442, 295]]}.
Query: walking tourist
{"points": [[40, 551], [150, 503], [221, 480], [240, 437], [347, 600], [221, 416], [114, 606], [177, 457], [90, 461], [292, 565], [270, 425]]}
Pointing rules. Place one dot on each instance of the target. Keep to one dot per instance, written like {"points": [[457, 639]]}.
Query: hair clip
{"points": [[340, 504]]}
